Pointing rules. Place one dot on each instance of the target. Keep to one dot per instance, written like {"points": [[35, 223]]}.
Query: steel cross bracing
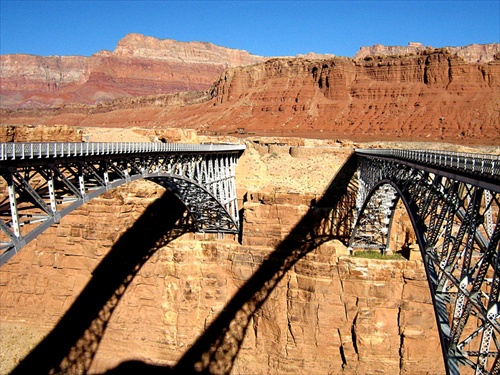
{"points": [[46, 181], [453, 201]]}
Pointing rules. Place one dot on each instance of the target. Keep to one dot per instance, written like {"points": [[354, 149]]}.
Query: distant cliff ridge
{"points": [[143, 65], [140, 65], [140, 46], [474, 53], [432, 95]]}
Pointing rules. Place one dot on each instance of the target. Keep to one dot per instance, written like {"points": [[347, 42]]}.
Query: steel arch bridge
{"points": [[453, 201], [46, 181]]}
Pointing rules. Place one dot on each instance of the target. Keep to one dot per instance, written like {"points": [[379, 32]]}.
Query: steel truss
{"points": [[453, 201], [46, 181]]}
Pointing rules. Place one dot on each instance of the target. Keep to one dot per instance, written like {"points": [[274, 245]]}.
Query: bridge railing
{"points": [[19, 151], [469, 162]]}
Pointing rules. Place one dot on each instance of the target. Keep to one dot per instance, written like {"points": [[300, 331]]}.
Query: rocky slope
{"points": [[140, 65], [433, 95]]}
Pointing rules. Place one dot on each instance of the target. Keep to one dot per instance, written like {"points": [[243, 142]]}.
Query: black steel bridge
{"points": [[452, 200]]}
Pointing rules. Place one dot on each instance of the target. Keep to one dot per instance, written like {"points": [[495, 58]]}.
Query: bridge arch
{"points": [[374, 218], [208, 212], [454, 210], [46, 181]]}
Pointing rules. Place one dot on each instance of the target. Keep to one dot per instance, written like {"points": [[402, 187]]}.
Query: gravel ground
{"points": [[17, 339]]}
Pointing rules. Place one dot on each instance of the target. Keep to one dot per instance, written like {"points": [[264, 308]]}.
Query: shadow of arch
{"points": [[331, 217], [71, 346], [139, 367]]}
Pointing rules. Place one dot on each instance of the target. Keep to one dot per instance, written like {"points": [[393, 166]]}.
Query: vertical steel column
{"points": [[13, 205], [52, 193], [81, 180], [105, 173]]}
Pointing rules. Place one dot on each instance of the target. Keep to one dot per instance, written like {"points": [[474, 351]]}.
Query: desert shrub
{"points": [[377, 255]]}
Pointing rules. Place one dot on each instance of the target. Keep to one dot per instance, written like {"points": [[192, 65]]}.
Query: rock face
{"points": [[139, 66], [474, 53], [140, 46], [329, 313], [430, 96], [435, 95], [40, 134]]}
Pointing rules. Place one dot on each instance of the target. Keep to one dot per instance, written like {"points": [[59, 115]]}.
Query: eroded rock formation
{"points": [[435, 95], [430, 96], [474, 53], [139, 66]]}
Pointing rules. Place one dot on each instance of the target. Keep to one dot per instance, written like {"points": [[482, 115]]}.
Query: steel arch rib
{"points": [[439, 305], [209, 213], [229, 224], [461, 259]]}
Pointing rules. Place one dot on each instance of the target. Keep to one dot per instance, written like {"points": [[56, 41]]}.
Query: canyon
{"points": [[123, 284], [330, 313]]}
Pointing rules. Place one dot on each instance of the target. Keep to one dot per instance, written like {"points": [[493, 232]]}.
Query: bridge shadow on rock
{"points": [[329, 218], [71, 346]]}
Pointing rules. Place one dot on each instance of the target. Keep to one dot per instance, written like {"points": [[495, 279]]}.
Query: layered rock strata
{"points": [[474, 53], [430, 96], [139, 66]]}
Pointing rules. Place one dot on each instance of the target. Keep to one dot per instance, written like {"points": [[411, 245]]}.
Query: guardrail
{"points": [[469, 162], [19, 151]]}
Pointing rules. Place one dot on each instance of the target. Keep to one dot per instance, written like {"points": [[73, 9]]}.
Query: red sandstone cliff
{"points": [[433, 96], [139, 65], [481, 53]]}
